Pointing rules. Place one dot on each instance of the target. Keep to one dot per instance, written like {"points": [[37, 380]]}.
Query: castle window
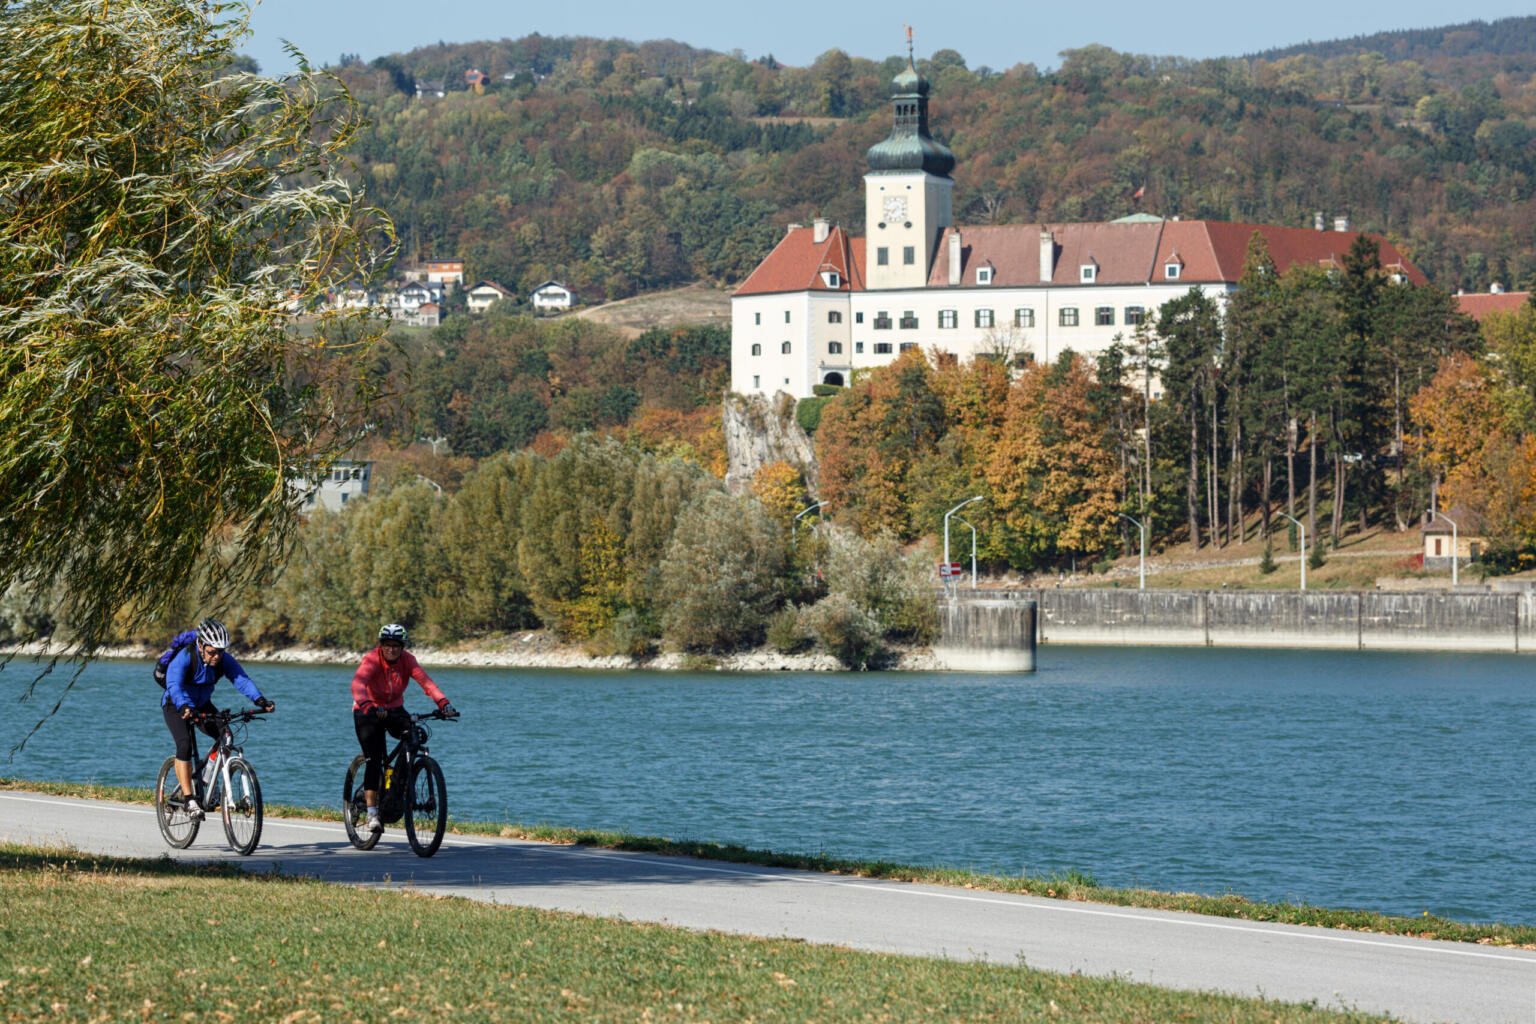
{"points": [[908, 255], [757, 318], [984, 318], [831, 278], [834, 348], [983, 275], [908, 320], [858, 347], [1134, 315], [858, 318], [906, 345], [1068, 316], [1171, 270], [882, 348], [1024, 317], [784, 348], [1104, 316], [834, 317], [1088, 273], [882, 321], [948, 318], [786, 316], [882, 257], [757, 349]]}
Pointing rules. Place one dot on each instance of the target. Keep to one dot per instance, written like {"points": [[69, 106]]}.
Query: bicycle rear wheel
{"points": [[170, 808], [242, 807], [354, 808], [426, 814]]}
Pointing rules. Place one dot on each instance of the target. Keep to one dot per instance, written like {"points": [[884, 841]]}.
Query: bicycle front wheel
{"points": [[354, 807], [426, 816], [242, 807], [171, 809]]}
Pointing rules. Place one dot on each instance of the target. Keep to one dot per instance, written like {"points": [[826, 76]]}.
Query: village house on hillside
{"points": [[552, 297], [484, 295], [824, 303]]}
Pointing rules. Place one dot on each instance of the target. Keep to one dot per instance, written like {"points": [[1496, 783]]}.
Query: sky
{"points": [[993, 33]]}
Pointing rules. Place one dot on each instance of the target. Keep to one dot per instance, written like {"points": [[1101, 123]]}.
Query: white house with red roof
{"points": [[825, 304]]}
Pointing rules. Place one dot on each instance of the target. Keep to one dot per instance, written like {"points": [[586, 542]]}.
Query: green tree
{"points": [[159, 225], [723, 574]]}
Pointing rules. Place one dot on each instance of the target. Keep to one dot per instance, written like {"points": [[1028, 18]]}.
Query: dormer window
{"points": [[1088, 273], [831, 278], [983, 275], [1171, 270]]}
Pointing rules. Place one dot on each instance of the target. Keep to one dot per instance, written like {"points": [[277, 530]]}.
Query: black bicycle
{"points": [[226, 780], [413, 789]]}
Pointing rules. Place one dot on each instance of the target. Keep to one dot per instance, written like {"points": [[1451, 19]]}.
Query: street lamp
{"points": [[951, 512], [795, 523], [967, 522], [1432, 514], [1303, 530], [1143, 531]]}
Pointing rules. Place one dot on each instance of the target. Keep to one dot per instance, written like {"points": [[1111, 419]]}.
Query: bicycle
{"points": [[225, 778], [413, 789]]}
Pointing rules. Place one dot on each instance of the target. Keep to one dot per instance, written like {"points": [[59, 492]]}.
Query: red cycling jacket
{"points": [[380, 684]]}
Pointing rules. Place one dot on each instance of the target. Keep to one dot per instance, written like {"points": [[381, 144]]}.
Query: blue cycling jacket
{"points": [[189, 682]]}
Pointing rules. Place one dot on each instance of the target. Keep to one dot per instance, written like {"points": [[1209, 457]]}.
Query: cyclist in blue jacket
{"points": [[189, 683]]}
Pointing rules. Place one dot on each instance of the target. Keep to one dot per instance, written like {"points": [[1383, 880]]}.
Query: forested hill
{"points": [[620, 168], [1509, 43]]}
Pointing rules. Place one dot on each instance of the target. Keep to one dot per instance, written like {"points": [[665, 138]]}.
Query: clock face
{"points": [[895, 208]]}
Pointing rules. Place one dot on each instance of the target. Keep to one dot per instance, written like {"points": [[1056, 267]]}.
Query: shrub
{"points": [[847, 632], [786, 633], [808, 413], [825, 390]]}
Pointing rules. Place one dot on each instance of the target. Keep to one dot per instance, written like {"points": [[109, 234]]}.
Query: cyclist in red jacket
{"points": [[378, 706]]}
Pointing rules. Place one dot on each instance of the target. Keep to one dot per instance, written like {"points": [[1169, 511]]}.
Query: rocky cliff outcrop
{"points": [[759, 432]]}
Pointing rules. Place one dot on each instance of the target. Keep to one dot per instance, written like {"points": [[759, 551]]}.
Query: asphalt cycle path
{"points": [[1412, 979]]}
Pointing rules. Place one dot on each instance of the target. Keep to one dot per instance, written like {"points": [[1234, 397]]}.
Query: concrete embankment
{"points": [[1361, 620]]}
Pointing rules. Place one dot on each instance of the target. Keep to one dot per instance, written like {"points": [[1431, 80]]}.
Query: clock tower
{"points": [[908, 193]]}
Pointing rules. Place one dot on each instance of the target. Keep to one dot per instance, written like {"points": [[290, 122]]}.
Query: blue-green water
{"points": [[1390, 782]]}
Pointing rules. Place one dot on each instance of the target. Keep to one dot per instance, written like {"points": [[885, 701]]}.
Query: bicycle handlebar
{"points": [[224, 716]]}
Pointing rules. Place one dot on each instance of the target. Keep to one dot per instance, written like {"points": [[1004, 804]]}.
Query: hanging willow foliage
{"points": [[162, 222]]}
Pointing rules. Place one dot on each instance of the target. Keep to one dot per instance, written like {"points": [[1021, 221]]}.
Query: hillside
{"points": [[625, 169]]}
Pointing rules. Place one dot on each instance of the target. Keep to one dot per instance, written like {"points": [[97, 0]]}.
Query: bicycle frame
{"points": [[226, 748], [397, 767]]}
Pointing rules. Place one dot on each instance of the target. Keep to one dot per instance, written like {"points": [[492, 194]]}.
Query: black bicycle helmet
{"points": [[211, 633], [394, 633]]}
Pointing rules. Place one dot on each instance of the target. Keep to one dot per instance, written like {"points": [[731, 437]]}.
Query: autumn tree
{"points": [[1053, 484]]}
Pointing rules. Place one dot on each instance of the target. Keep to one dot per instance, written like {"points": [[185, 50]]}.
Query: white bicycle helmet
{"points": [[212, 633], [394, 633]]}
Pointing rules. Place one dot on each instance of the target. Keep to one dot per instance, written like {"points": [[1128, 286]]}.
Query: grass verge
{"points": [[94, 938], [1071, 886]]}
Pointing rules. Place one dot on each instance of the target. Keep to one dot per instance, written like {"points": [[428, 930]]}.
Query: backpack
{"points": [[178, 643]]}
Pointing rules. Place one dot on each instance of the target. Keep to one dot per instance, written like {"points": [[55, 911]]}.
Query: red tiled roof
{"points": [[796, 263], [1123, 253], [1480, 305]]}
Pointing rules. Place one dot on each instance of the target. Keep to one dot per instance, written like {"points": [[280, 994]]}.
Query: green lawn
{"points": [[97, 939]]}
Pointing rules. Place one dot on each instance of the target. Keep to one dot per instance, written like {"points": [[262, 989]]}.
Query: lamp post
{"points": [[795, 523], [1142, 585], [1432, 514], [951, 512], [1303, 530], [967, 522]]}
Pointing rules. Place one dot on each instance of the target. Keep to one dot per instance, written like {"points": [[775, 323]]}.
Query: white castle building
{"points": [[825, 303]]}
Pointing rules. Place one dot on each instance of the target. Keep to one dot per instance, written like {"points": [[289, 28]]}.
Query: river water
{"points": [[1388, 782]]}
